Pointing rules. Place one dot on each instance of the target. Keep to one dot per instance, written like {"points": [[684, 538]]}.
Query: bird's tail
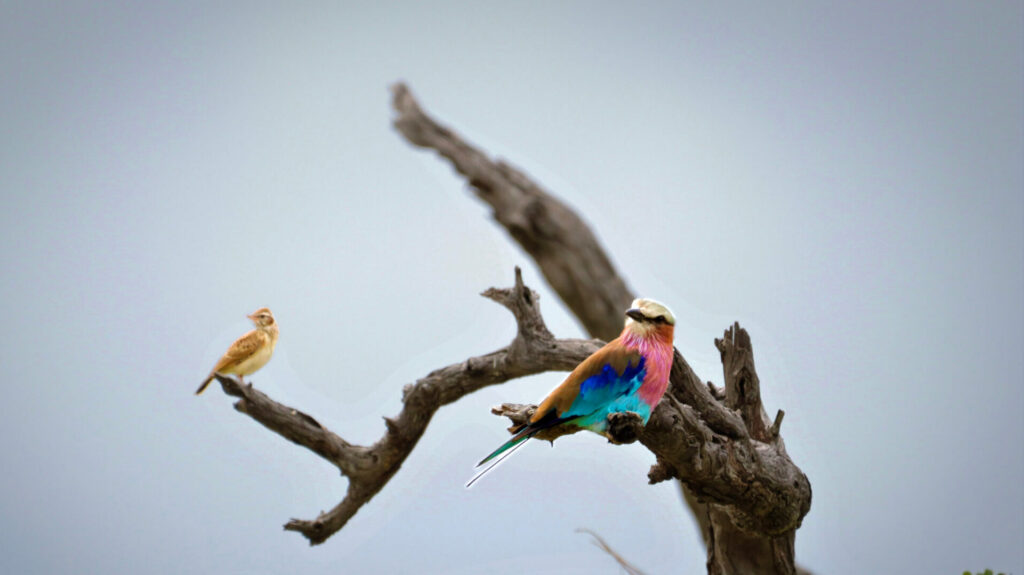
{"points": [[521, 435], [508, 448], [203, 385]]}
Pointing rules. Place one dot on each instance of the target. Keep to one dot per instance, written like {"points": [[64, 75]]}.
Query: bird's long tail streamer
{"points": [[513, 449]]}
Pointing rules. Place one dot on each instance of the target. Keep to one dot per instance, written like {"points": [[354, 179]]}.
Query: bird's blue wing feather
{"points": [[607, 388]]}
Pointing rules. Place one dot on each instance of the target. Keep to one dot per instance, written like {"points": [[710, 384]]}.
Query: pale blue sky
{"points": [[845, 180]]}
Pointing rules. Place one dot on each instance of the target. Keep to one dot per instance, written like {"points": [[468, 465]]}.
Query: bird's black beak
{"points": [[635, 314]]}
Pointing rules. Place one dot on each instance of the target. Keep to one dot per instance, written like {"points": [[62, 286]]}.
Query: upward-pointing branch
{"points": [[562, 244]]}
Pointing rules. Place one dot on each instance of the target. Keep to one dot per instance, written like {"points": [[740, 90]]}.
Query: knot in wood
{"points": [[624, 427]]}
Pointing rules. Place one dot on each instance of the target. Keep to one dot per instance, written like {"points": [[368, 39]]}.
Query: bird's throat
{"points": [[655, 344]]}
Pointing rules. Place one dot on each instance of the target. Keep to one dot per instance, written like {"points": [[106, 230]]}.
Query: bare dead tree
{"points": [[746, 493]]}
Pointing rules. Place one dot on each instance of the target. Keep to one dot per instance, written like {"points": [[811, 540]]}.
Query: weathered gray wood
{"points": [[756, 496], [767, 493], [566, 250]]}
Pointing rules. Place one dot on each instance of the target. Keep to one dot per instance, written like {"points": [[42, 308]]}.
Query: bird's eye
{"points": [[660, 319]]}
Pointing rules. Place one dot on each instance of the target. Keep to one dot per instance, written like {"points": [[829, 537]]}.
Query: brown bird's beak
{"points": [[635, 314]]}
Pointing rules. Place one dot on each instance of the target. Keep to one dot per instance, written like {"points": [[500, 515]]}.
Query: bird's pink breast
{"points": [[658, 354]]}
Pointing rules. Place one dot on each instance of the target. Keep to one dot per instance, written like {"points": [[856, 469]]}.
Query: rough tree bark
{"points": [[578, 270], [746, 492]]}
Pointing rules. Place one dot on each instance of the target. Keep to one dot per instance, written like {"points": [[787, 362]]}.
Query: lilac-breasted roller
{"points": [[630, 373]]}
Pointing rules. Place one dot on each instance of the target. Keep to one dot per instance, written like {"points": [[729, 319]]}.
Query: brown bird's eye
{"points": [[659, 319]]}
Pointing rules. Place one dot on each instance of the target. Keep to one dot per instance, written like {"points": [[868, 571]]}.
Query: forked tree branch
{"points": [[567, 252], [757, 486], [369, 468]]}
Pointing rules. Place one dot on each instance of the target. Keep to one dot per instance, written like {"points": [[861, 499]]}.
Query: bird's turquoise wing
{"points": [[609, 391], [605, 382]]}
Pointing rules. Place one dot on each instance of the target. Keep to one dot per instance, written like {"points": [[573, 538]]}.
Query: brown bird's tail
{"points": [[203, 385]]}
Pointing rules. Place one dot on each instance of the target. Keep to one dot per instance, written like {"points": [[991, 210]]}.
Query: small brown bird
{"points": [[250, 352]]}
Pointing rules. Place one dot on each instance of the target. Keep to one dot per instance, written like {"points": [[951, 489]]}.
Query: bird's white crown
{"points": [[652, 309]]}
